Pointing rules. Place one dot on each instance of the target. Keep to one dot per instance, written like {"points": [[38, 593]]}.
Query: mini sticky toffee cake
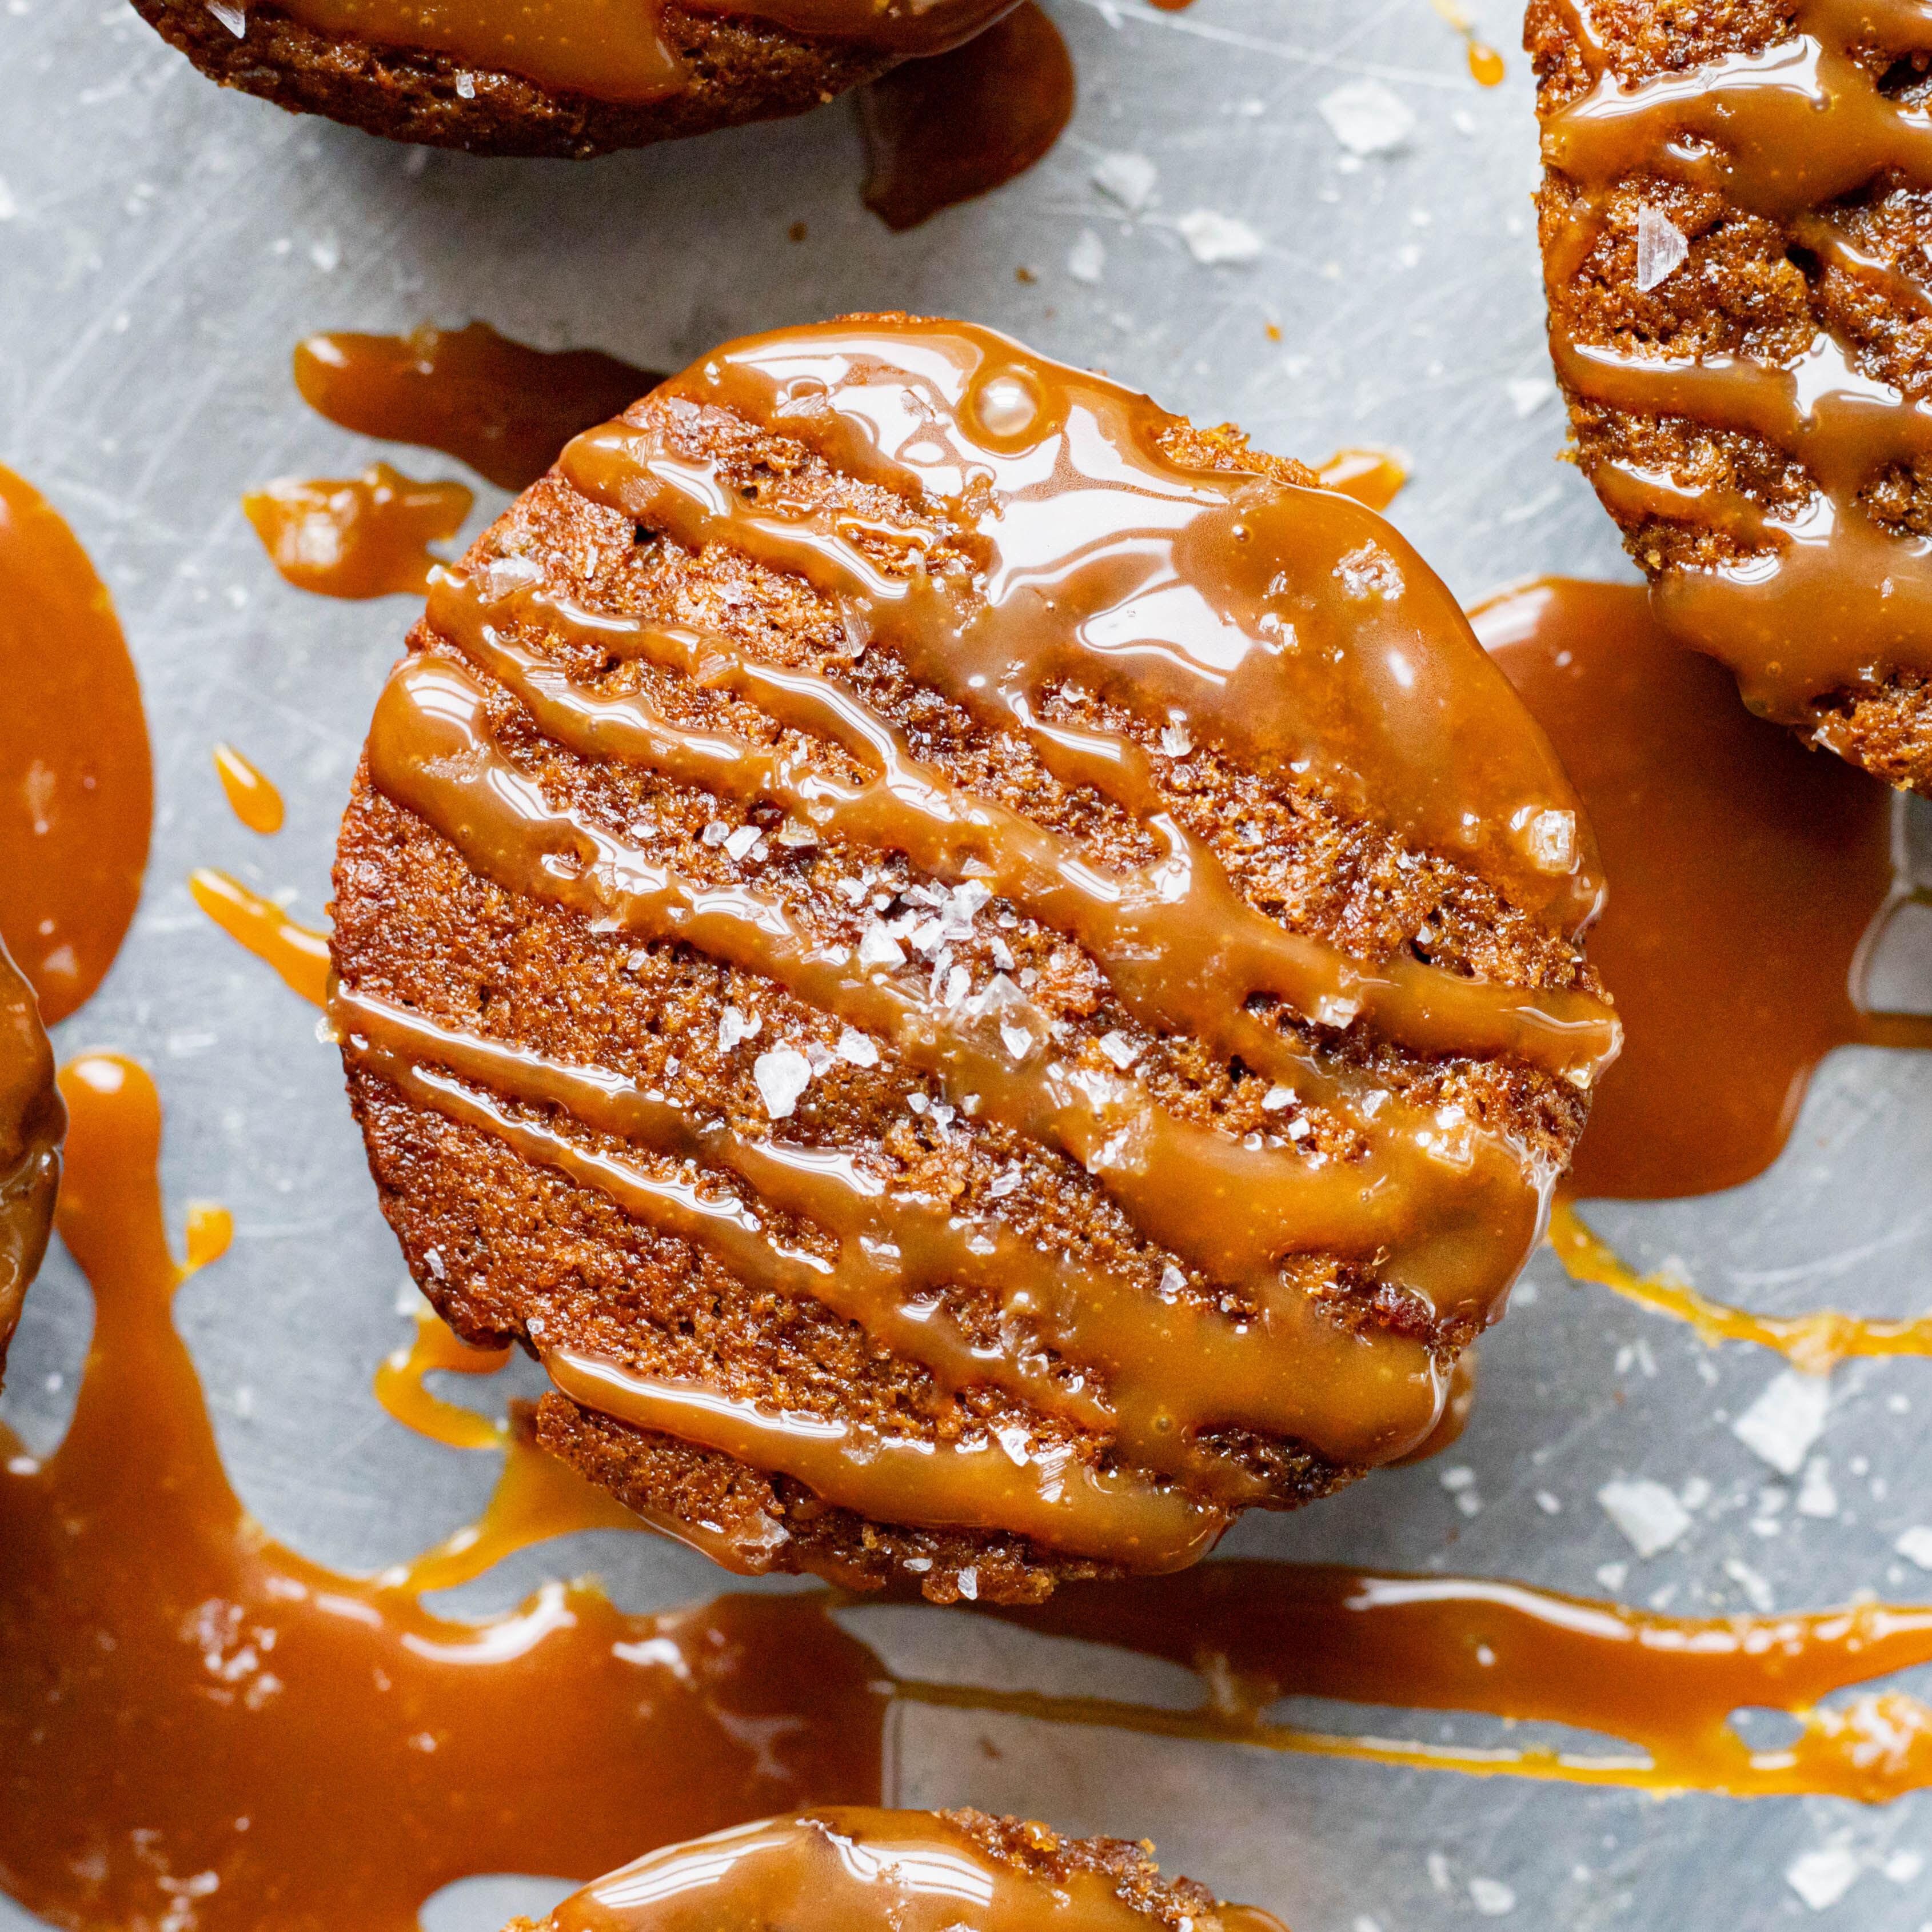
{"points": [[566, 78], [987, 978], [1734, 220], [848, 1868], [32, 1121]]}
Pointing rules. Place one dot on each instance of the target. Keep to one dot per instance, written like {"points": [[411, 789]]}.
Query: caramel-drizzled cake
{"points": [[32, 1120], [567, 78], [1735, 222], [851, 1868], [988, 979]]}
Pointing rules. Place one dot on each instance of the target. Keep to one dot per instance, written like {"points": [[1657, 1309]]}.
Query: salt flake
{"points": [[1915, 1546], [1660, 247], [1786, 1420], [1087, 260], [1218, 240], [782, 1074], [1822, 1877], [1645, 1511], [1127, 178], [1367, 118]]}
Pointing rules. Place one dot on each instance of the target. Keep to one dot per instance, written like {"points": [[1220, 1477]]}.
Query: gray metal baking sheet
{"points": [[163, 245]]}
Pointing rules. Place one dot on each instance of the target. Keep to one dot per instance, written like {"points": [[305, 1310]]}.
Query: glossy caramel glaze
{"points": [[251, 795], [193, 1719], [32, 1120], [1307, 646], [859, 1869], [612, 51], [1753, 414], [500, 406], [1257, 1631], [1373, 477], [356, 536], [941, 130], [1747, 877], [77, 786]]}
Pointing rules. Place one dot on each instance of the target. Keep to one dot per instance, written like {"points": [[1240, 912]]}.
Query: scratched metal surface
{"points": [[161, 246]]}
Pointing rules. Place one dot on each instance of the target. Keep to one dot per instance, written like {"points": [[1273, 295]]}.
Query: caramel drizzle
{"points": [[1233, 1211], [1434, 1206], [1167, 1367], [1293, 629], [1826, 597], [1180, 949], [847, 1866], [32, 1120]]}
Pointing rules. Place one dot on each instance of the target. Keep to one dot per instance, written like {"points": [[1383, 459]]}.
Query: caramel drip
{"points": [[1486, 68], [76, 784], [1167, 1367], [401, 1387], [618, 50], [840, 1869], [297, 952], [250, 796], [1751, 877], [500, 406], [1824, 599], [941, 131], [359, 536], [1258, 1631], [32, 1120], [1815, 1342], [1295, 630], [1375, 478], [172, 1672]]}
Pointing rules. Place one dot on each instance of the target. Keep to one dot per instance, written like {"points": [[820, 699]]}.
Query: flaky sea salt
{"points": [[1369, 571], [1218, 240], [1822, 1877], [1786, 1420], [1660, 247], [856, 1049], [1127, 178], [1491, 1897], [1087, 260], [1368, 118], [232, 15], [1121, 1050], [1649, 1515], [733, 1026], [782, 1074], [1915, 1546], [878, 947], [741, 842]]}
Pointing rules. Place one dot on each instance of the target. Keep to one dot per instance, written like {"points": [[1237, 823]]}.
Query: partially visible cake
{"points": [[566, 78], [853, 1869], [1735, 216]]}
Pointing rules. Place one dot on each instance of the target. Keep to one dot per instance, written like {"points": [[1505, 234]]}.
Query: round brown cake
{"points": [[844, 1868], [1735, 224], [988, 979], [723, 69], [32, 1120]]}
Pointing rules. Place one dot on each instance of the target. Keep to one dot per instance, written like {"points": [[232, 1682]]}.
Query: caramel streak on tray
{"points": [[1810, 595]]}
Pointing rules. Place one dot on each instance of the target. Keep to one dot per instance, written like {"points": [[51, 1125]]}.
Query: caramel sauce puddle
{"points": [[941, 131], [251, 796], [357, 537], [199, 1727], [1751, 881], [500, 406]]}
